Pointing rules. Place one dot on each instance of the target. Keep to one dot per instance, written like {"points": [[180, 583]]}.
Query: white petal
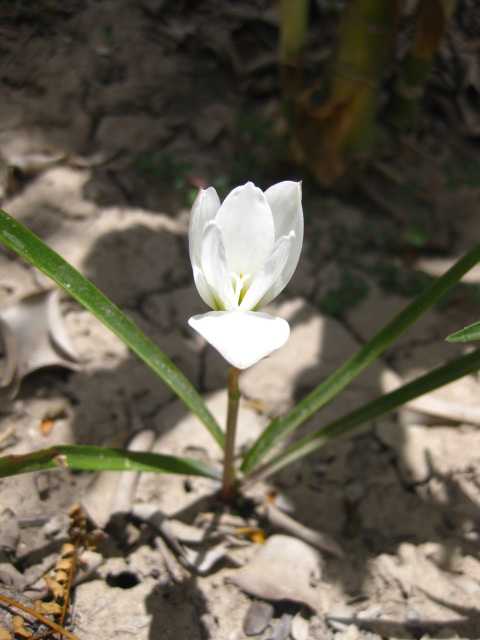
{"points": [[285, 200], [205, 208], [269, 281], [248, 229], [203, 288], [243, 339], [214, 266]]}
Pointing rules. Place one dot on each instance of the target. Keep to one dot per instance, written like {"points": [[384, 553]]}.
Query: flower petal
{"points": [[243, 339], [285, 200], [205, 208], [214, 266], [269, 281], [203, 287], [247, 228]]}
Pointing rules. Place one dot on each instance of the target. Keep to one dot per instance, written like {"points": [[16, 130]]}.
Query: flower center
{"points": [[238, 284]]}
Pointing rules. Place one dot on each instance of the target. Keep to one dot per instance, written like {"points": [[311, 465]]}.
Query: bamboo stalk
{"points": [[345, 125], [293, 40], [433, 21]]}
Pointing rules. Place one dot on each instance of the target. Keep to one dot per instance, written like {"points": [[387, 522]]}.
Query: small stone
{"points": [[42, 483], [300, 627], [257, 618], [351, 633], [281, 628], [54, 526]]}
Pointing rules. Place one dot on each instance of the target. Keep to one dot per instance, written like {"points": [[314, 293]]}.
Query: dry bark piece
{"points": [[282, 569]]}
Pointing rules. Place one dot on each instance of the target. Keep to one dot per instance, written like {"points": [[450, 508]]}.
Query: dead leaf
{"points": [[64, 564], [54, 588], [61, 577], [4, 634], [33, 336], [68, 550], [48, 608], [282, 569], [19, 628]]}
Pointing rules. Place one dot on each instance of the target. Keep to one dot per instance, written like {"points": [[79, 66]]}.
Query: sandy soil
{"points": [[112, 114]]}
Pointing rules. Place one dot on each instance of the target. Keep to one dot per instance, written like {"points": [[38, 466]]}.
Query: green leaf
{"points": [[280, 428], [463, 366], [28, 246], [86, 458], [467, 334]]}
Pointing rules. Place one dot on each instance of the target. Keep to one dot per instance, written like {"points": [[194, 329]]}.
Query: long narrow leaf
{"points": [[467, 334], [280, 428], [28, 246], [464, 365], [86, 458]]}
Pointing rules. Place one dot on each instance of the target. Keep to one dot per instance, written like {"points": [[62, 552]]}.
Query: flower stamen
{"points": [[238, 283]]}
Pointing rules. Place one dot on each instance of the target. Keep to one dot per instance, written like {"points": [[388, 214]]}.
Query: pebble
{"points": [[351, 633], [54, 526], [281, 627], [42, 483], [257, 618], [300, 627]]}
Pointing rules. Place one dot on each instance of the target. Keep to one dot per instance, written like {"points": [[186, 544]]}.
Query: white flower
{"points": [[243, 254]]}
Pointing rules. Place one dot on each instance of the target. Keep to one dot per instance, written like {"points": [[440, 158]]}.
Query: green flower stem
{"points": [[232, 415]]}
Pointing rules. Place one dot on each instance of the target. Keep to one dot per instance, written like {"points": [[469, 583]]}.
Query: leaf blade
{"points": [[31, 248], [281, 428], [467, 364], [94, 458], [467, 334]]}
